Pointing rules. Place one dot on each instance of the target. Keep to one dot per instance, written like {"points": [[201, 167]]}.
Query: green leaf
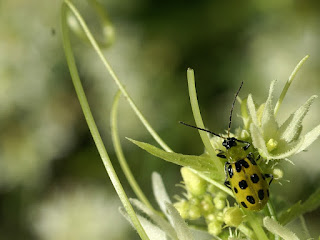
{"points": [[160, 193], [312, 203], [156, 218], [152, 231], [199, 163], [274, 227], [182, 230]]}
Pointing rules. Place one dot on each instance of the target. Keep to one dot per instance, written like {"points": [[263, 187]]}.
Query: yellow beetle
{"points": [[243, 175]]}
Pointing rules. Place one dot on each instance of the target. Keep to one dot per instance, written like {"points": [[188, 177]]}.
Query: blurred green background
{"points": [[52, 182]]}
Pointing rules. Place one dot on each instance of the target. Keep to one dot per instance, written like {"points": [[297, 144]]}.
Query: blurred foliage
{"points": [[44, 140]]}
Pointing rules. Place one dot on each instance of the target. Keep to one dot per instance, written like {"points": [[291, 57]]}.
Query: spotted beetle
{"points": [[243, 175]]}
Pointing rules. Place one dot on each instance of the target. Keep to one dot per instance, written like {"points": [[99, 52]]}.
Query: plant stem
{"points": [[213, 182], [288, 83], [246, 231], [91, 123], [272, 215], [118, 149], [115, 78], [256, 225], [305, 228], [198, 120]]}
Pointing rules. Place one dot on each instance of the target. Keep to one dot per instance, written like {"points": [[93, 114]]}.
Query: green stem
{"points": [[288, 83], [118, 149], [246, 231], [213, 182], [198, 119], [304, 227], [115, 78], [272, 215], [256, 225], [91, 123]]}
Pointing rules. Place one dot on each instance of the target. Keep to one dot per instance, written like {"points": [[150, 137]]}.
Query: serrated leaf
{"points": [[156, 218], [291, 128], [199, 163], [152, 231], [312, 203], [160, 193], [274, 227], [182, 230], [199, 234]]}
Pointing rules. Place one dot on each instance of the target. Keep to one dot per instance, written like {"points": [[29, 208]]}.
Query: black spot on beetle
{"points": [[243, 163], [235, 190], [268, 192], [244, 205], [261, 194], [238, 166], [243, 184], [230, 171], [251, 199], [251, 159], [254, 178]]}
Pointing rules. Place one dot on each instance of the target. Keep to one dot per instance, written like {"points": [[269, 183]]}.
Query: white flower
{"points": [[275, 141]]}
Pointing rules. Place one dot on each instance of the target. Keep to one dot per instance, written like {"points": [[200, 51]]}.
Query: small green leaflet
{"points": [[312, 203], [198, 163]]}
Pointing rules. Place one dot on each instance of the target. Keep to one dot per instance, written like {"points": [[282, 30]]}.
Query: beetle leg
{"points": [[226, 182], [221, 154], [247, 144], [269, 176], [251, 158]]}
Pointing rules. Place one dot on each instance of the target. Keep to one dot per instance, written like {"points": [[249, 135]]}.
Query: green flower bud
{"points": [[195, 185], [277, 173], [233, 216], [215, 228], [206, 204], [220, 200], [211, 188], [183, 208], [194, 212], [210, 217], [219, 216]]}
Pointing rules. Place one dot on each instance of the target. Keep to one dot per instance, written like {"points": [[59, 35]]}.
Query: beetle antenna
{"points": [[202, 129], [231, 111]]}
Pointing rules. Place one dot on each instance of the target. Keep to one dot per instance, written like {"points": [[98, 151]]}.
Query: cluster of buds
{"points": [[203, 200]]}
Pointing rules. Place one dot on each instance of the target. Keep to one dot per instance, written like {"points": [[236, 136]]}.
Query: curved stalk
{"points": [[118, 149], [91, 123]]}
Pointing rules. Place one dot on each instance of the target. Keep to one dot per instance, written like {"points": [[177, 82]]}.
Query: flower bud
{"points": [[195, 185], [233, 216], [194, 212], [220, 201], [215, 228], [183, 208], [277, 173], [206, 204]]}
